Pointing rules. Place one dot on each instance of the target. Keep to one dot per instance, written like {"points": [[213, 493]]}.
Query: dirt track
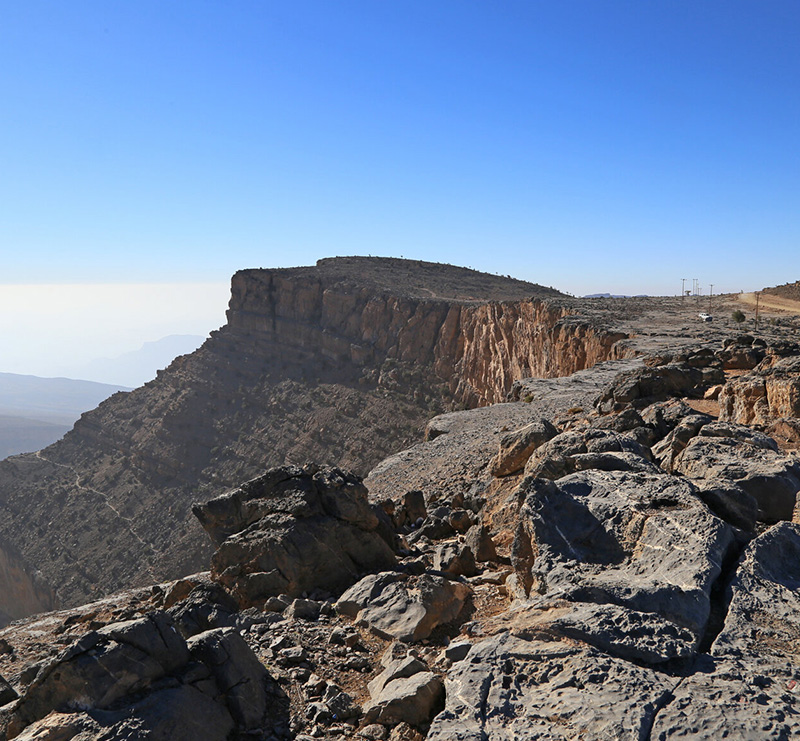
{"points": [[776, 303]]}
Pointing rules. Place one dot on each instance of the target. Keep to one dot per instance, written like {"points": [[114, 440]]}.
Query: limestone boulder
{"points": [[612, 460], [560, 456], [404, 692], [648, 384], [663, 416], [747, 687], [141, 679], [516, 447], [291, 531], [412, 700], [786, 429], [634, 635], [102, 667], [403, 608], [769, 392], [771, 478], [742, 433], [400, 668], [763, 617], [644, 543]]}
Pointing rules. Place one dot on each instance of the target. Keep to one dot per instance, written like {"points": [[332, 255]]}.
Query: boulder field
{"points": [[615, 554]]}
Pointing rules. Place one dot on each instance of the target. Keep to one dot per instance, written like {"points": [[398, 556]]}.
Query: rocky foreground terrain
{"points": [[612, 553]]}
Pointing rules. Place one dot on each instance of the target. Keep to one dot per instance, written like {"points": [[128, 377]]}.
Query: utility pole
{"points": [[758, 297], [709, 296], [683, 293]]}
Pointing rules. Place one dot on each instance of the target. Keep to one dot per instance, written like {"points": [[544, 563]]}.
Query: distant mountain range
{"points": [[35, 412], [137, 367]]}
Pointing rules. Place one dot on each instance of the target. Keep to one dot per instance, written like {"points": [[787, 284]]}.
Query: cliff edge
{"points": [[341, 363]]}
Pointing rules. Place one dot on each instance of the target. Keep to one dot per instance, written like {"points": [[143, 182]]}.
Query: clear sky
{"points": [[591, 145]]}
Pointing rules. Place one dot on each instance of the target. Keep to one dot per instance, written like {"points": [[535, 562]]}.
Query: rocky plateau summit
{"points": [[394, 500]]}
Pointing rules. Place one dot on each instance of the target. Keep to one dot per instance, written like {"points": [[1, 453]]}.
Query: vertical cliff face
{"points": [[342, 363], [476, 347]]}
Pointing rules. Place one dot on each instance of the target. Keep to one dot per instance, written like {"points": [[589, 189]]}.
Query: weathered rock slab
{"points": [[772, 478], [643, 543], [508, 688], [748, 687], [407, 609]]}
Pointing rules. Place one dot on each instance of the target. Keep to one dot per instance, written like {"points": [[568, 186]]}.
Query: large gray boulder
{"points": [[181, 713], [772, 478], [584, 449], [141, 679], [508, 688], [103, 666], [668, 448], [411, 699], [642, 543], [401, 607], [650, 383], [747, 687], [293, 530], [763, 616]]}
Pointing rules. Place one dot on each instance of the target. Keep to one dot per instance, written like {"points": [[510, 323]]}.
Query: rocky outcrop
{"points": [[292, 531], [771, 478], [581, 450], [769, 393], [475, 345], [628, 586], [664, 380], [141, 678]]}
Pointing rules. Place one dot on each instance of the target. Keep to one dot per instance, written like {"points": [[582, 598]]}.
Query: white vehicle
{"points": [[704, 317]]}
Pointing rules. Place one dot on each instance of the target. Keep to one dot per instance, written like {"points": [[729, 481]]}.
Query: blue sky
{"points": [[590, 145]]}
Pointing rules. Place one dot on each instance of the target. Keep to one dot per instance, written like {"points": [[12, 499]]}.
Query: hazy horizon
{"points": [[46, 330]]}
